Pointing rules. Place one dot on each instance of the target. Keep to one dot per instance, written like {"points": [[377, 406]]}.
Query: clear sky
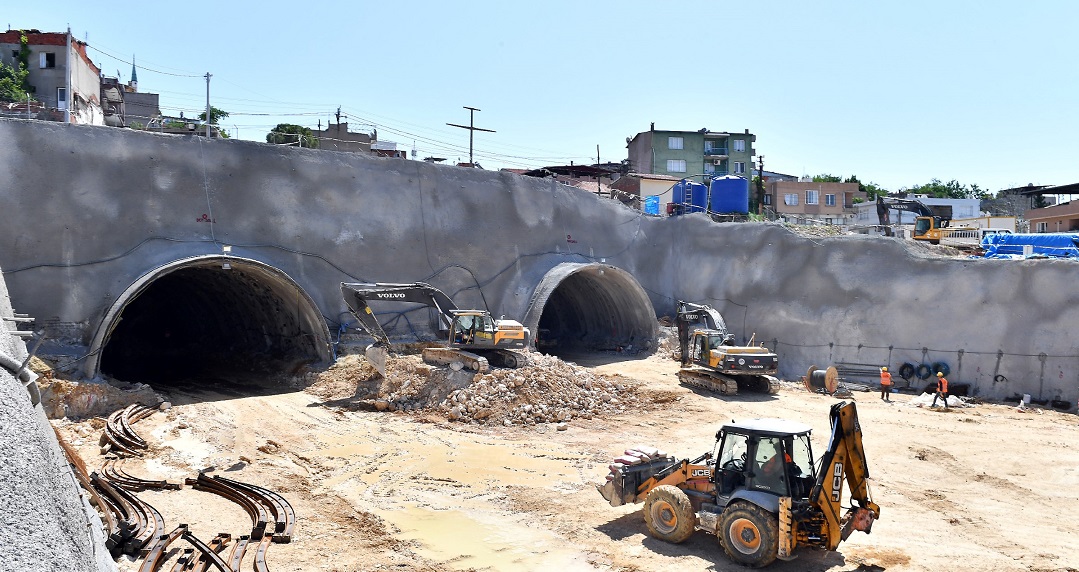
{"points": [[895, 92]]}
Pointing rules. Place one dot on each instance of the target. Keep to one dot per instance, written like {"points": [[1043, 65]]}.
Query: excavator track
{"points": [[446, 356], [506, 358], [726, 384]]}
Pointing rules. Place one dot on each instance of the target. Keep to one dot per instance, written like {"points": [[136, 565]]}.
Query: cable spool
{"points": [[826, 379]]}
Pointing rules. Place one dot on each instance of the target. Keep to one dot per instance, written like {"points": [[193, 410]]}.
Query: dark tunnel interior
{"points": [[201, 322], [594, 310]]}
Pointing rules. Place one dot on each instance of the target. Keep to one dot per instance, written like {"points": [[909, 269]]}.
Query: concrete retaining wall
{"points": [[106, 206]]}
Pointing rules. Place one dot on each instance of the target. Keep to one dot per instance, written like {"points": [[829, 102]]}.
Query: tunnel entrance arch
{"points": [[590, 307], [233, 313]]}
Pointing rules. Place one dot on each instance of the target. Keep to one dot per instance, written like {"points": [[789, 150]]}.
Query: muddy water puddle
{"points": [[477, 540]]}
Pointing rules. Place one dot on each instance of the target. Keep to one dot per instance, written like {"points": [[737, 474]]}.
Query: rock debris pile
{"points": [[547, 390]]}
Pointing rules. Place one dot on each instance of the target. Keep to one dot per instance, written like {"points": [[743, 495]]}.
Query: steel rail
{"points": [[182, 561], [260, 554], [236, 555], [207, 552], [256, 509], [125, 425], [284, 515], [153, 558], [217, 544], [132, 524], [114, 471]]}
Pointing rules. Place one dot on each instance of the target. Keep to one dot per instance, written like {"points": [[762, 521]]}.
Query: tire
{"points": [[942, 368], [906, 371], [669, 514], [749, 534], [923, 371]]}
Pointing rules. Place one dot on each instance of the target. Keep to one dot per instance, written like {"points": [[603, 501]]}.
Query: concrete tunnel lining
{"points": [[591, 307], [258, 308]]}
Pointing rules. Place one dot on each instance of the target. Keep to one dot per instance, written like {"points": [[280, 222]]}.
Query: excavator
{"points": [[760, 491], [712, 362], [474, 337], [930, 223]]}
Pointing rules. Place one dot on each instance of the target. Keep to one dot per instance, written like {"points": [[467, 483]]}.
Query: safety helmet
{"points": [[885, 368], [940, 374]]}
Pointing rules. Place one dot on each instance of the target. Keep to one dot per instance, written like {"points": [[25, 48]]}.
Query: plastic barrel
{"points": [[730, 194]]}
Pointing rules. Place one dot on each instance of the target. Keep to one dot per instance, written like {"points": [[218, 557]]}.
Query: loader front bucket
{"points": [[376, 356]]}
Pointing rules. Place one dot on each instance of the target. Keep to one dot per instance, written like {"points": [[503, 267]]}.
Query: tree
{"points": [[215, 115], [14, 81], [950, 190], [872, 190], [290, 134], [827, 179]]}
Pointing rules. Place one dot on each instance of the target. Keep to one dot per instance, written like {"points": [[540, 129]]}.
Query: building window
{"points": [[767, 199], [739, 167], [61, 98], [812, 197], [674, 143], [48, 60], [790, 199], [829, 200], [739, 145], [676, 165], [1043, 227]]}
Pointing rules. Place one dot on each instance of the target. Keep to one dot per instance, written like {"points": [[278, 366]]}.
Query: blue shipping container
{"points": [[730, 194]]}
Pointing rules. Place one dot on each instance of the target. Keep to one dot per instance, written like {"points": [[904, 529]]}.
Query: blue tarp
{"points": [[651, 205], [1054, 245]]}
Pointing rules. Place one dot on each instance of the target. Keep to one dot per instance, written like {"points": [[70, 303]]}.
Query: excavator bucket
{"points": [[376, 356]]}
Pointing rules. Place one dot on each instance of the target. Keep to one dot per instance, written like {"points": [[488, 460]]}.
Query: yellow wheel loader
{"points": [[761, 492]]}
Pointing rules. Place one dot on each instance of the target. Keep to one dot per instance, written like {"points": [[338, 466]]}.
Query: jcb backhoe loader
{"points": [[711, 360], [473, 337], [760, 492]]}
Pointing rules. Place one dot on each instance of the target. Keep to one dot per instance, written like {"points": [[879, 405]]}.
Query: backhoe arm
{"points": [[844, 458]]}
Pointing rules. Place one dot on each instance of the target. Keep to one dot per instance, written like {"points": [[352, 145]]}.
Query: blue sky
{"points": [[896, 93]]}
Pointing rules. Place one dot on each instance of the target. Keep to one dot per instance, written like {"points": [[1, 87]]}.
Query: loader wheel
{"points": [[669, 514], [749, 534]]}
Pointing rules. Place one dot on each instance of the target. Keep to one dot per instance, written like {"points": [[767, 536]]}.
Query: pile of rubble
{"points": [[547, 390]]}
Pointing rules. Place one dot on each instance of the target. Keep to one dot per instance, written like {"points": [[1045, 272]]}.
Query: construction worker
{"points": [[942, 390], [885, 384]]}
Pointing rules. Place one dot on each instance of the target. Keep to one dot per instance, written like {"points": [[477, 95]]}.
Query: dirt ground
{"points": [[984, 488]]}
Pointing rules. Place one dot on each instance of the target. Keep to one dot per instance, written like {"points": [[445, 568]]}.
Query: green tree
{"points": [[951, 190], [215, 115], [14, 81], [827, 179], [870, 189], [290, 134]]}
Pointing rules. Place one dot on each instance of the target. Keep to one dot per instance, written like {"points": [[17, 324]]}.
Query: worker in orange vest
{"points": [[885, 384], [942, 390]]}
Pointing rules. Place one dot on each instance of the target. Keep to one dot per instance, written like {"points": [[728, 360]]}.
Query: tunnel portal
{"points": [[212, 316], [591, 307]]}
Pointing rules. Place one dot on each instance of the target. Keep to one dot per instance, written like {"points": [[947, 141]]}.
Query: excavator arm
{"points": [[844, 460], [358, 296]]}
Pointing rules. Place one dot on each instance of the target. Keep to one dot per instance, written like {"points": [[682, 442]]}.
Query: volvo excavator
{"points": [[760, 490], [711, 360], [930, 223], [473, 337]]}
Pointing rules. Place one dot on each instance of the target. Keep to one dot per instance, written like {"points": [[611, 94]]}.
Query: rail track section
{"points": [[137, 529]]}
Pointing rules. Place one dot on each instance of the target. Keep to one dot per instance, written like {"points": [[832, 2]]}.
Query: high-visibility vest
{"points": [[885, 378], [942, 385]]}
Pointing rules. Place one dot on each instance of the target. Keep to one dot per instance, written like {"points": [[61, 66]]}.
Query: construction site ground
{"points": [[985, 488]]}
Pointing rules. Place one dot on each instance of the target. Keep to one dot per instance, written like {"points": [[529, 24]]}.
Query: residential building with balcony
{"points": [[690, 154], [56, 62], [810, 202]]}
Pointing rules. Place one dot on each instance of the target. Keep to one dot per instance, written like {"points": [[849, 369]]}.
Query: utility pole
{"points": [[471, 129], [597, 172], [67, 78], [208, 76]]}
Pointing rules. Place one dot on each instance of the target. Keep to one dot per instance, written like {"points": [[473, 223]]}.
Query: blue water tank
{"points": [[692, 197], [730, 195]]}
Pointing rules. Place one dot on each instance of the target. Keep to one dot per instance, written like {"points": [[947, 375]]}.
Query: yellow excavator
{"points": [[711, 360], [760, 491], [473, 337]]}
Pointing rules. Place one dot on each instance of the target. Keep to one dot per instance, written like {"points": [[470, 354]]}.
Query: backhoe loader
{"points": [[759, 491], [473, 337]]}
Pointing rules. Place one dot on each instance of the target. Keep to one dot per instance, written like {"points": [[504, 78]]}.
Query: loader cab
{"points": [[770, 456]]}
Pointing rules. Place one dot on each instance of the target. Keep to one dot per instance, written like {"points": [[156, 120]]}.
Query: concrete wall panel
{"points": [[105, 206]]}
